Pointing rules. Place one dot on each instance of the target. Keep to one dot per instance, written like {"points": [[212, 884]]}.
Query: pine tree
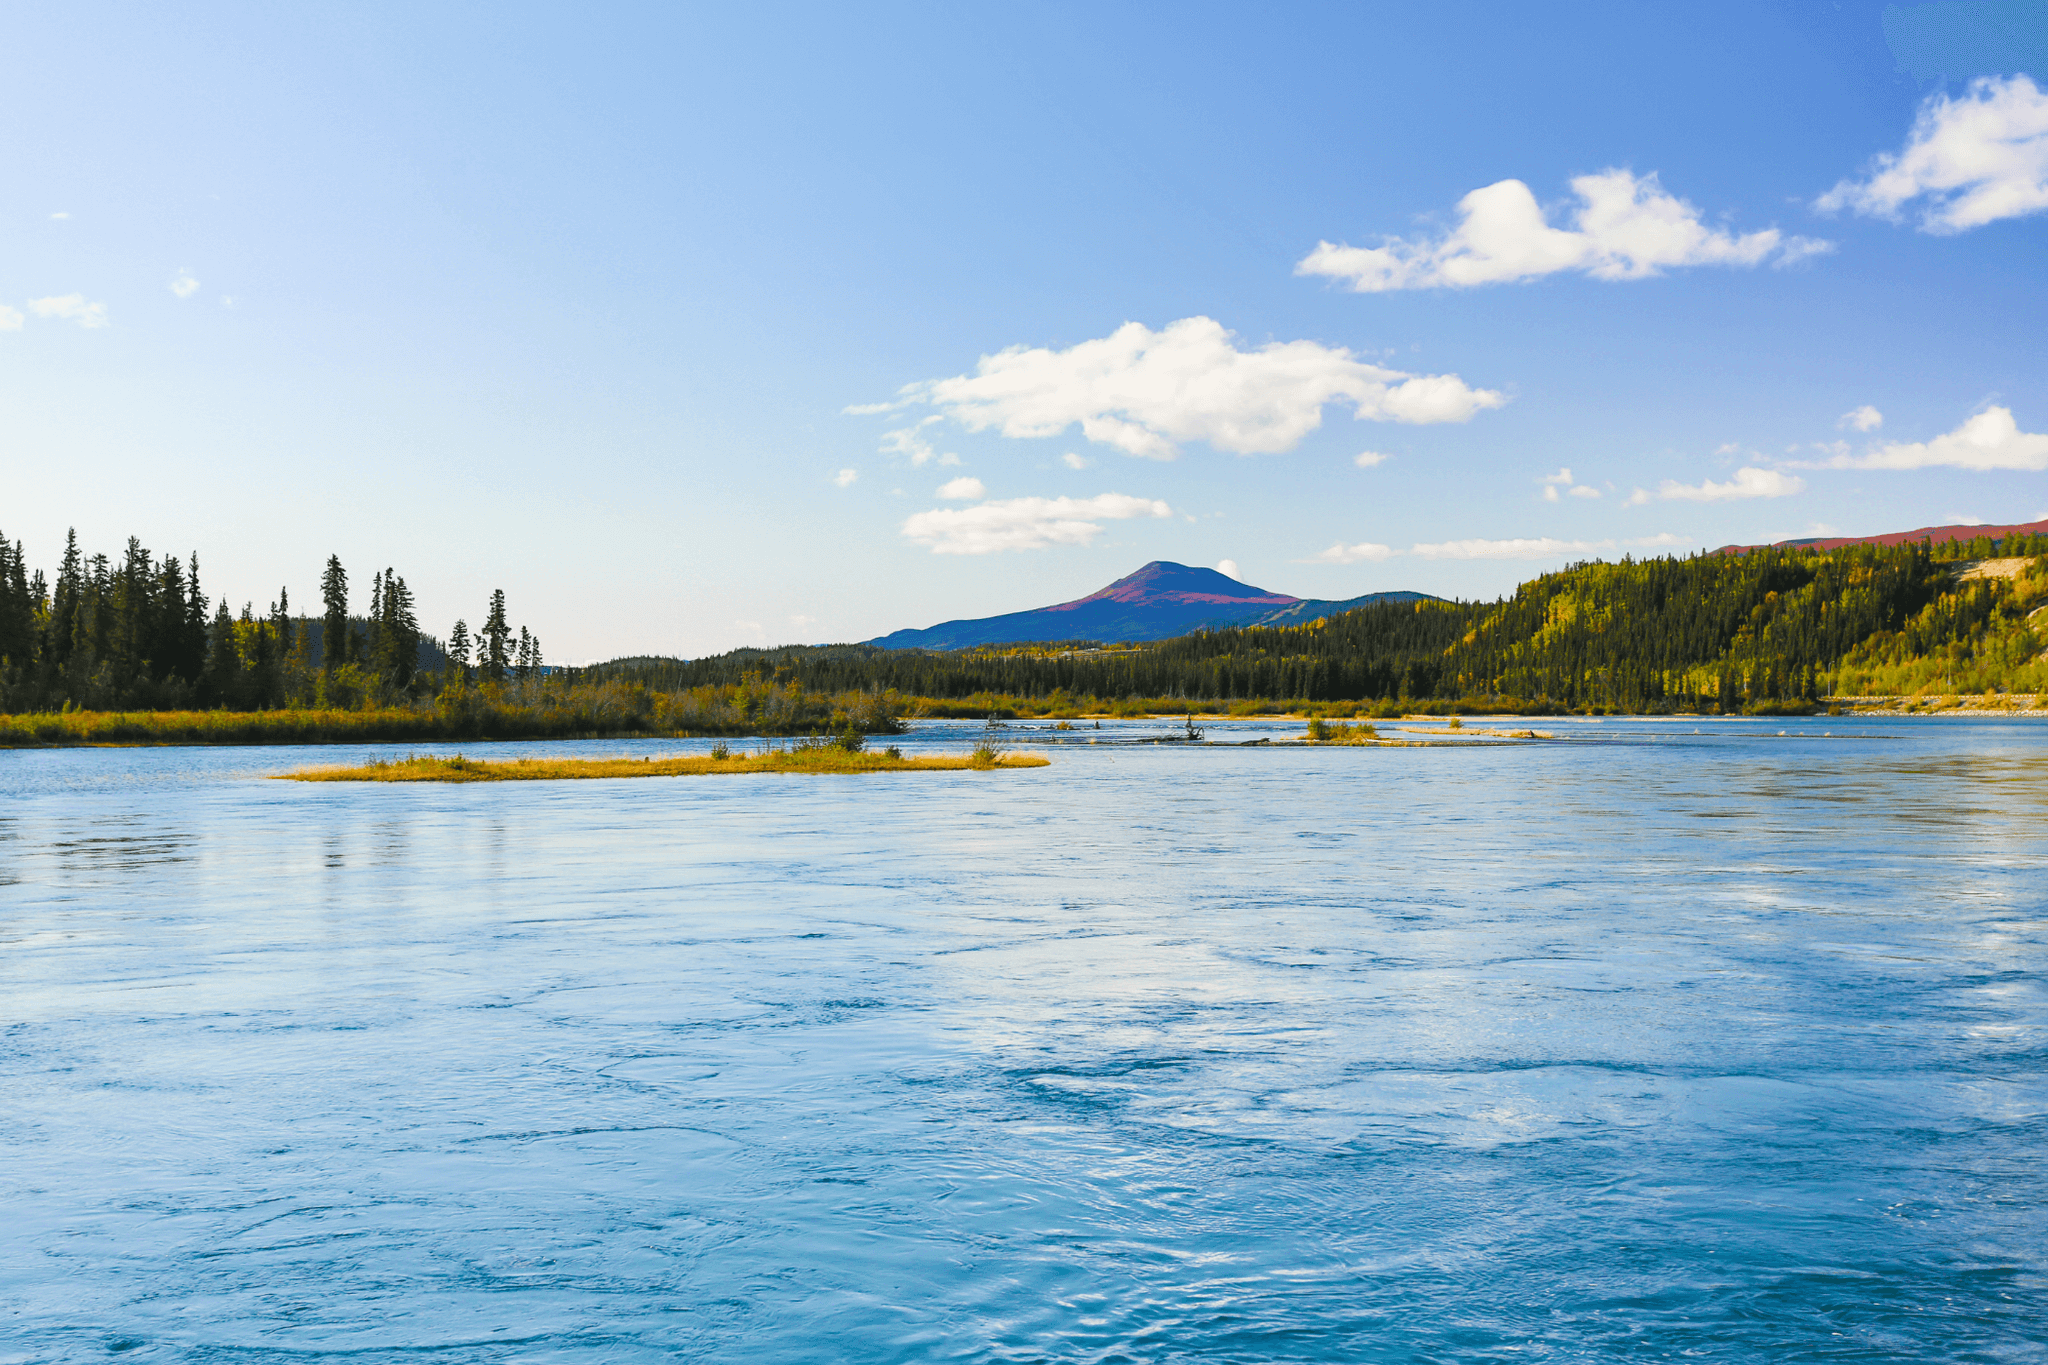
{"points": [[397, 632], [458, 649], [221, 684], [191, 664], [60, 626], [17, 609], [494, 654], [336, 638], [373, 631]]}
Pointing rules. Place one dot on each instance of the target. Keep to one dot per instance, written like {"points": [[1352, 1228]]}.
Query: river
{"points": [[1662, 1040]]}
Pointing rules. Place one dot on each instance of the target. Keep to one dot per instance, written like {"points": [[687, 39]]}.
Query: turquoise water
{"points": [[1643, 1046]]}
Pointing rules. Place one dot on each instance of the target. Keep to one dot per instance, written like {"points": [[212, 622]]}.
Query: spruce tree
{"points": [[191, 665], [335, 637], [495, 652], [17, 610], [221, 684], [397, 630], [458, 649]]}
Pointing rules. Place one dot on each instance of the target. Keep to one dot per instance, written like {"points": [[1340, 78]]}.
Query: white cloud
{"points": [[1865, 418], [1361, 553], [1562, 479], [1073, 461], [59, 216], [184, 286], [72, 307], [1144, 392], [1542, 547], [1989, 440], [845, 477], [1227, 567], [1749, 482], [966, 488], [10, 319], [910, 441], [1024, 523], [1970, 161], [870, 409], [1627, 228], [1366, 459]]}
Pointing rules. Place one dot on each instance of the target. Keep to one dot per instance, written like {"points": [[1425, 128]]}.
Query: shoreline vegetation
{"points": [[832, 759], [125, 652], [514, 722]]}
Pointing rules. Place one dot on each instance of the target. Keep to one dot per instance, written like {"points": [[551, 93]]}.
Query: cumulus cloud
{"points": [[10, 319], [1541, 547], [1865, 418], [1562, 479], [1968, 161], [1227, 567], [1145, 392], [184, 286], [1366, 459], [1024, 523], [1340, 553], [1990, 440], [1073, 461], [845, 477], [1624, 228], [72, 308], [1749, 482], [911, 443], [963, 489]]}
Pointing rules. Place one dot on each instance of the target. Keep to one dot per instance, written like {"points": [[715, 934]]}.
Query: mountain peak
{"points": [[1163, 581], [1159, 601]]}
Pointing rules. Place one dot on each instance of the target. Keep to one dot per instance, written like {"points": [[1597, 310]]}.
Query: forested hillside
{"points": [[1709, 632], [1774, 628]]}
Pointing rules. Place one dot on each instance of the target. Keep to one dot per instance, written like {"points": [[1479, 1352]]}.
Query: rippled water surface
{"points": [[1648, 1045]]}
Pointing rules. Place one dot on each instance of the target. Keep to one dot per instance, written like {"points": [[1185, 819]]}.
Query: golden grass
{"points": [[819, 760]]}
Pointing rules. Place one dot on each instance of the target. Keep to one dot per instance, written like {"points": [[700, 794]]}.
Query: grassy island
{"points": [[821, 759]]}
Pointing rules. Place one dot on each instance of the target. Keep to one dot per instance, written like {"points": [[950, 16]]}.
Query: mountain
{"points": [[1939, 535], [1157, 602]]}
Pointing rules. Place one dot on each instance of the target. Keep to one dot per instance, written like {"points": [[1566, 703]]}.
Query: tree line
{"points": [[1703, 632], [137, 634]]}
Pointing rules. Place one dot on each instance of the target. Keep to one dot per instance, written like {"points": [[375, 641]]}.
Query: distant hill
{"points": [[1157, 602], [1939, 535]]}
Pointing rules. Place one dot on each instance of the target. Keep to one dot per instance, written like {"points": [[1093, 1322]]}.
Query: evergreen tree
{"points": [[17, 609], [458, 649], [222, 682], [336, 638], [495, 652], [397, 632], [60, 626], [373, 630], [191, 665]]}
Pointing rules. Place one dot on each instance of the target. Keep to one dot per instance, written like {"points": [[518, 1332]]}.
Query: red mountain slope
{"points": [[1937, 534]]}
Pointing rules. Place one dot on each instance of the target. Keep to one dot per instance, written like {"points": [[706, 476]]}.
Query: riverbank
{"points": [[819, 760]]}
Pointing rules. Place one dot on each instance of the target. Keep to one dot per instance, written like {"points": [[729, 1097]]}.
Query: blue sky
{"points": [[693, 328]]}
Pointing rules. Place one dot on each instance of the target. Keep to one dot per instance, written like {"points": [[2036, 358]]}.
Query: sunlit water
{"points": [[1646, 1046]]}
